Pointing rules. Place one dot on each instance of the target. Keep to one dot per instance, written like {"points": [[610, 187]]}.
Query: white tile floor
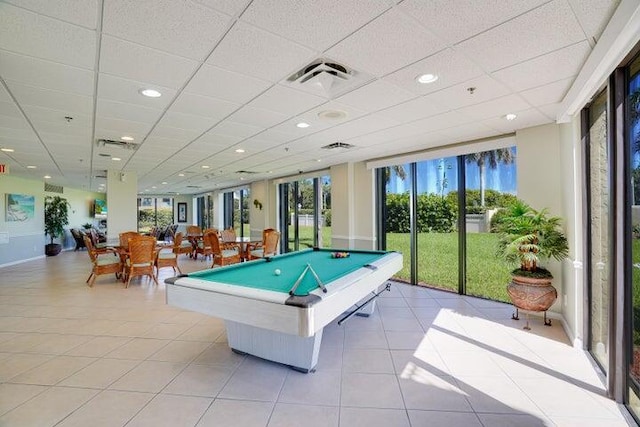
{"points": [[71, 355]]}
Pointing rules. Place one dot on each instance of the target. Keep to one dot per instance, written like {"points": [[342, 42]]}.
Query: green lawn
{"points": [[487, 276]]}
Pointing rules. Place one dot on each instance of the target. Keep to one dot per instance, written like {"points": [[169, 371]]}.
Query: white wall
{"points": [[122, 203], [22, 241], [352, 206], [540, 182]]}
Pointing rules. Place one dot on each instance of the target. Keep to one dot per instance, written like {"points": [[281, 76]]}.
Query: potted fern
{"points": [[56, 216], [527, 238]]}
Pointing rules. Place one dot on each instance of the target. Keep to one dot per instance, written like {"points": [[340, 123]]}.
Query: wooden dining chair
{"points": [[268, 247], [141, 258], [223, 253], [106, 261]]}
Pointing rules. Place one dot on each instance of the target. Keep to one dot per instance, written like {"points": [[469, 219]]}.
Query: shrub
{"points": [[435, 214]]}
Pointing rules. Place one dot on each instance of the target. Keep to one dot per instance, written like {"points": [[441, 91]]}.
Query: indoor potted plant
{"points": [[527, 237], [56, 216]]}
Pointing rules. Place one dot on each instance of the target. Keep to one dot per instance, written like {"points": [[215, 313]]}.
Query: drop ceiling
{"points": [[71, 73]]}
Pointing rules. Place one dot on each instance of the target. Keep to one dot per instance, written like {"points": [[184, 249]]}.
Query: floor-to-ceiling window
{"points": [[236, 211], [490, 185], [633, 231], [305, 213], [154, 212], [424, 215], [599, 227]]}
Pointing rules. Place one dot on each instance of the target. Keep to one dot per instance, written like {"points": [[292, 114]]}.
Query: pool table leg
{"points": [[299, 353]]}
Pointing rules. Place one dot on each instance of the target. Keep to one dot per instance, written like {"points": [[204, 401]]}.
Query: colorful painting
{"points": [[19, 207]]}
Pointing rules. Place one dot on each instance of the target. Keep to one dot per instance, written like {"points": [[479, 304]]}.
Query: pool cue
{"points": [[295, 285], [324, 289]]}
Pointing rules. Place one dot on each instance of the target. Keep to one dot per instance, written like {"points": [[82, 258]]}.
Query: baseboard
{"points": [[22, 261]]}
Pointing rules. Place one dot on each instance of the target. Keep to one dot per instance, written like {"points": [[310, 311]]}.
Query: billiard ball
{"points": [[277, 271]]}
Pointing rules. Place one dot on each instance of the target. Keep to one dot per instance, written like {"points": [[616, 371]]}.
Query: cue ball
{"points": [[277, 271]]}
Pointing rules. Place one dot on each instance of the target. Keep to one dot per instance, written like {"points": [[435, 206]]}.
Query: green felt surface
{"points": [[260, 274]]}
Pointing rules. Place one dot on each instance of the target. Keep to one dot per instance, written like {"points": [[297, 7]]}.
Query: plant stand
{"points": [[516, 316]]}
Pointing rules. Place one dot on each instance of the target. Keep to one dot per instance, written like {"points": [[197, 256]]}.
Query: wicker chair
{"points": [[125, 236], [167, 257], [181, 246], [228, 235], [105, 261], [99, 241], [268, 247], [223, 254], [141, 259], [78, 237]]}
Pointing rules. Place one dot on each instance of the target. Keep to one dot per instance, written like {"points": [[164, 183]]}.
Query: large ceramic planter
{"points": [[533, 294], [52, 249]]}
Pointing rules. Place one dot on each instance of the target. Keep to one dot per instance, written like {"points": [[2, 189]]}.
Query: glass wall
{"points": [[599, 238], [437, 218], [441, 256], [306, 213], [490, 184], [154, 213], [633, 231]]}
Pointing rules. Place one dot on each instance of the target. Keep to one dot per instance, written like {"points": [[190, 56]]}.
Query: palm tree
{"points": [[491, 158], [397, 169]]}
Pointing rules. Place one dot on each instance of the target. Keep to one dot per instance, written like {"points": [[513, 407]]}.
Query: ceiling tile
{"points": [[118, 127], [258, 116], [543, 30], [230, 7], [135, 62], [550, 110], [9, 109], [46, 74], [127, 91], [65, 102], [450, 66], [254, 52], [457, 20], [197, 124], [16, 122], [286, 101], [376, 96], [527, 118], [590, 13], [203, 106], [239, 130], [361, 126], [37, 35], [318, 24], [461, 95], [184, 28], [414, 109], [218, 83], [545, 69], [441, 121], [82, 13], [374, 47], [125, 111], [179, 136], [548, 94], [498, 107]]}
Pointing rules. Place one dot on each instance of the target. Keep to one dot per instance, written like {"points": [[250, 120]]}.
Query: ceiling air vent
{"points": [[194, 186], [51, 188], [247, 172], [326, 77], [337, 145], [101, 174], [116, 144]]}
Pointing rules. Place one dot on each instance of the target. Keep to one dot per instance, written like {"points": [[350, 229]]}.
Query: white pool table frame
{"points": [[260, 323]]}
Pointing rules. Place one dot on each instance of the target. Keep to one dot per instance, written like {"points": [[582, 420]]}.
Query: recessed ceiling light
{"points": [[426, 78], [7, 150], [319, 160], [303, 125], [153, 186], [31, 167], [164, 182], [151, 93], [205, 167], [240, 150], [510, 116], [116, 159], [180, 174], [126, 138], [47, 177], [332, 114]]}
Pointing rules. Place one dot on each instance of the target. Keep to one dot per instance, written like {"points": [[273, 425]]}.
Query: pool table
{"points": [[264, 316]]}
